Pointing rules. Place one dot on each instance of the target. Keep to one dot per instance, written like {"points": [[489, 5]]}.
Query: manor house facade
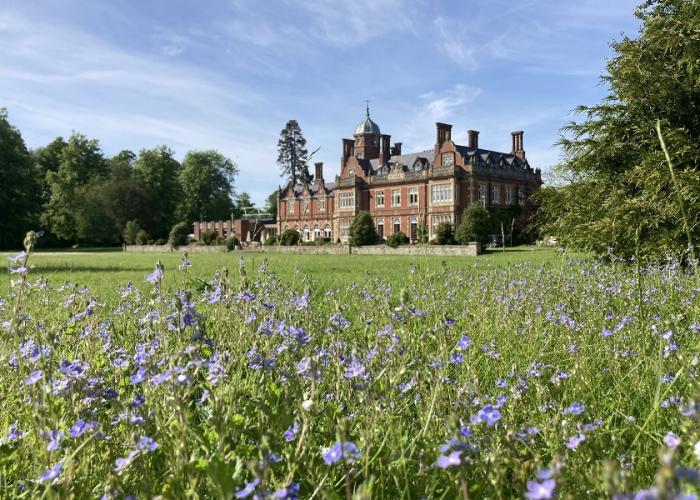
{"points": [[404, 190]]}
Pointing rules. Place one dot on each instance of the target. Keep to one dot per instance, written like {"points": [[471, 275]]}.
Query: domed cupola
{"points": [[367, 126], [366, 136]]}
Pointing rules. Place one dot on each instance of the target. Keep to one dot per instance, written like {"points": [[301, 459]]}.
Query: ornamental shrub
{"points": [[397, 239], [289, 237], [362, 231], [271, 241], [178, 234], [232, 243], [142, 238], [207, 236], [475, 226], [445, 234], [131, 229]]}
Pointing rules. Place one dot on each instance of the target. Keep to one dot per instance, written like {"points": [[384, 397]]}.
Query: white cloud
{"points": [[440, 106], [453, 44]]}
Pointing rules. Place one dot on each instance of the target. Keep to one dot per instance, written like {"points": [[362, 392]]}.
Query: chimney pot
{"points": [[319, 171], [444, 133]]}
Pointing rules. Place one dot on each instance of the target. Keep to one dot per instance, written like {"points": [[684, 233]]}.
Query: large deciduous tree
{"points": [[292, 155], [621, 195], [158, 172], [20, 197], [81, 165], [206, 180]]}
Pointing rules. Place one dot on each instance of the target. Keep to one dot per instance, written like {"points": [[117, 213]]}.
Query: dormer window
{"points": [[351, 172], [448, 159], [290, 206]]}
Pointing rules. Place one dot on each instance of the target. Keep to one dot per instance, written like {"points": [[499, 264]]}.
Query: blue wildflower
{"points": [[576, 408], [453, 458], [291, 433], [34, 377], [345, 451], [139, 376], [248, 489], [52, 473], [540, 491], [463, 343], [574, 441]]}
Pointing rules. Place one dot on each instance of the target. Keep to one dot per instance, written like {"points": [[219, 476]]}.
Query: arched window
{"points": [[397, 225], [380, 228], [307, 233], [317, 232], [327, 232]]}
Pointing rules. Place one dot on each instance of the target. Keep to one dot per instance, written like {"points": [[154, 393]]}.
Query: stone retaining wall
{"points": [[472, 249], [168, 248]]}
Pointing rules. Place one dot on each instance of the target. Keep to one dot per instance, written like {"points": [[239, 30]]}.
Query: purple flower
{"points": [[291, 492], [672, 440], [342, 450], [354, 369], [52, 473], [449, 321], [574, 441], [456, 358], [138, 401], [155, 276], [248, 489], [576, 408], [13, 259], [80, 428], [304, 365], [139, 376], [445, 461], [463, 343], [291, 433], [540, 491], [55, 438], [13, 434], [489, 414], [34, 377], [607, 332], [146, 444]]}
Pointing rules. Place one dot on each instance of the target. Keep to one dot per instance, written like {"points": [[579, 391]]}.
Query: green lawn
{"points": [[102, 271]]}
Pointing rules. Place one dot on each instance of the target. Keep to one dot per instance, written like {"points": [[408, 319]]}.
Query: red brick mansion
{"points": [[402, 191]]}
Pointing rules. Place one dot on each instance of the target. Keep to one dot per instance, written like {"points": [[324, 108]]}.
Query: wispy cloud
{"points": [[445, 104], [453, 43]]}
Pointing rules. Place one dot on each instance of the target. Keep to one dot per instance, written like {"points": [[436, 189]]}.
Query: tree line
{"points": [[75, 194]]}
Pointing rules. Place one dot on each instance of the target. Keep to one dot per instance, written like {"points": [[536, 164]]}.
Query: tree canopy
{"points": [[207, 185], [621, 196]]}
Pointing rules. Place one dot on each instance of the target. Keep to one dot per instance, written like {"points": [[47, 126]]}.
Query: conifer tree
{"points": [[293, 157]]}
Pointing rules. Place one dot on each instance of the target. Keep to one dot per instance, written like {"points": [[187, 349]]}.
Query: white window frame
{"points": [[328, 232], [347, 200], [521, 196], [379, 199], [322, 204], [344, 228], [451, 161], [317, 232], [441, 193], [509, 195], [482, 194], [290, 206], [495, 193], [396, 197], [394, 223], [413, 193], [307, 233]]}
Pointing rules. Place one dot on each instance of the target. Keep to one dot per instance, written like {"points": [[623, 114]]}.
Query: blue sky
{"points": [[229, 74]]}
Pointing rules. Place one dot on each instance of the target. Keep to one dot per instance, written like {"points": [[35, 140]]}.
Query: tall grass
{"points": [[488, 381]]}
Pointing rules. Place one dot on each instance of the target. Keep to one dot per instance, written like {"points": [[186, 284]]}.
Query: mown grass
{"points": [[496, 377], [104, 271]]}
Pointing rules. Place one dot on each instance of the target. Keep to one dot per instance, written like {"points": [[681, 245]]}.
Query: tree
{"points": [[622, 195], [272, 201], [158, 172], [178, 234], [475, 226], [362, 231], [131, 229], [292, 155], [242, 200], [206, 180], [20, 197], [444, 234], [81, 163]]}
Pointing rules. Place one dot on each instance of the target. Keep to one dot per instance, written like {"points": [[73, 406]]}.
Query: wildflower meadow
{"points": [[538, 379]]}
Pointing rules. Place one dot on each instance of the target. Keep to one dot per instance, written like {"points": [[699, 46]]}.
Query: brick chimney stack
{"points": [[384, 150], [319, 171], [518, 144], [444, 133], [396, 150], [473, 139], [348, 149]]}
